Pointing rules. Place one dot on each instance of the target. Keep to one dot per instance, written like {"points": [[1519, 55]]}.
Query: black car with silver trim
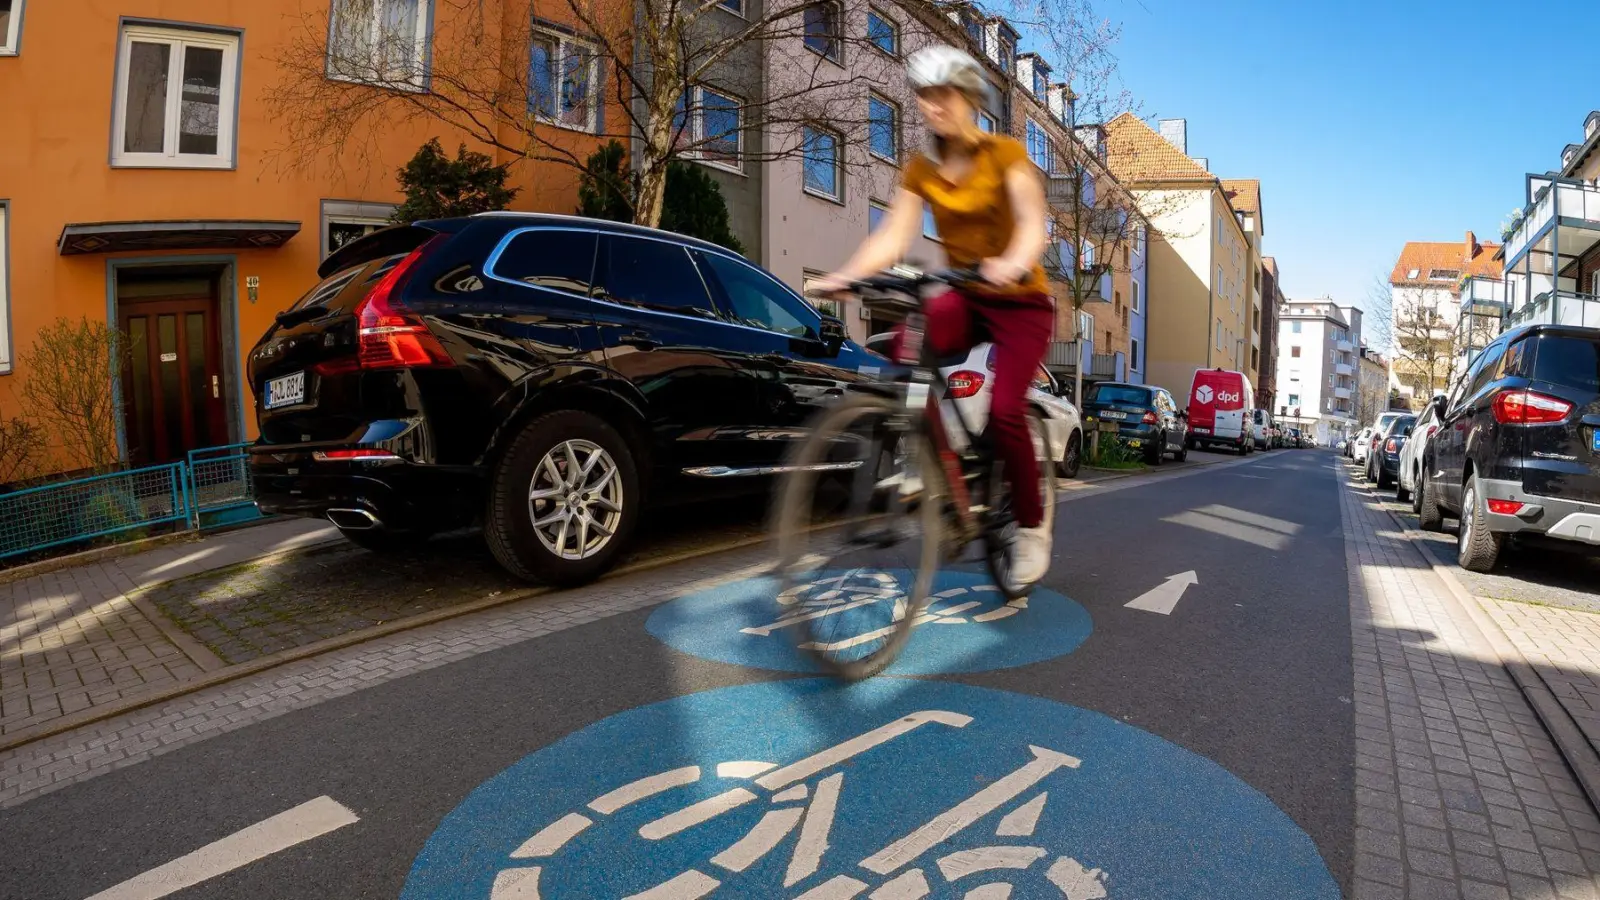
{"points": [[1517, 453], [546, 375]]}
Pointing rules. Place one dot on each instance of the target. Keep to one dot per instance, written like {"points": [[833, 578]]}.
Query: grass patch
{"points": [[1114, 454]]}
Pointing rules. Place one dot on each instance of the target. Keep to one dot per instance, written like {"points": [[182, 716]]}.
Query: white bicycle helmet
{"points": [[940, 65]]}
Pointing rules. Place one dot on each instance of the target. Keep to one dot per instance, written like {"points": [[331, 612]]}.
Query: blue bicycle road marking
{"points": [[774, 789], [969, 626]]}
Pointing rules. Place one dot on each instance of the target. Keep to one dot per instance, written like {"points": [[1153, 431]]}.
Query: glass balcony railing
{"points": [[1559, 308], [1483, 297], [1573, 204]]}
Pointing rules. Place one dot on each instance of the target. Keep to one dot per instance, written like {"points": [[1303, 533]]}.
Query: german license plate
{"points": [[1202, 431], [286, 391], [1113, 414]]}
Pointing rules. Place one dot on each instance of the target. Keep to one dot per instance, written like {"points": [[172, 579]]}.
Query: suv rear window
{"points": [[1116, 394], [1568, 361]]}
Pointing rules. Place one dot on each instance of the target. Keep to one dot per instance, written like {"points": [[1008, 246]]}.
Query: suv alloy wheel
{"points": [[1477, 548]]}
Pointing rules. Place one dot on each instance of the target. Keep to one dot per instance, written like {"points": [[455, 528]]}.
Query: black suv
{"points": [[543, 373], [1518, 447], [1143, 417]]}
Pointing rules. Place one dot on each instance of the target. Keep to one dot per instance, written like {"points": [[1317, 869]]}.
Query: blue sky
{"points": [[1368, 123]]}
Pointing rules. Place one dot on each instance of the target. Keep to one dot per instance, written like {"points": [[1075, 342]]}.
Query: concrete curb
{"points": [[225, 673], [1575, 748]]}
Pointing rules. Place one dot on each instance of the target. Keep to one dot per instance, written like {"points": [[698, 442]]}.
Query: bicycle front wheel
{"points": [[858, 529]]}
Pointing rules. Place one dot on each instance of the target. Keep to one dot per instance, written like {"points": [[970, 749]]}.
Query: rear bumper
{"points": [[1229, 440], [1553, 517], [396, 495]]}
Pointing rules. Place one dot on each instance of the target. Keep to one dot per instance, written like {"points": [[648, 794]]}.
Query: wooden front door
{"points": [[172, 388]]}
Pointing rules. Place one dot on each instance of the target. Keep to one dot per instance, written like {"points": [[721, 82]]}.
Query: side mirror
{"points": [[1183, 414], [833, 335]]}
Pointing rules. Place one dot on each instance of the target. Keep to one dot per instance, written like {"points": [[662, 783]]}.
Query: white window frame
{"points": [[695, 113], [1033, 127], [987, 122], [10, 41], [930, 227], [5, 285], [894, 26], [835, 51], [227, 106], [894, 123], [1594, 283], [1136, 298], [564, 42], [1133, 353], [419, 57], [838, 164], [733, 6], [351, 212]]}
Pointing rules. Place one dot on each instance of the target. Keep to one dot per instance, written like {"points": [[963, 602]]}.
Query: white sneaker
{"points": [[1030, 555]]}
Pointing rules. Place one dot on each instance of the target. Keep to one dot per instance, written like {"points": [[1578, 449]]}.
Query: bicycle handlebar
{"points": [[889, 281]]}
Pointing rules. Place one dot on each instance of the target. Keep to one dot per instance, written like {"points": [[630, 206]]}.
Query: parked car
{"points": [[1409, 477], [1375, 438], [549, 375], [1219, 411], [1518, 447], [1383, 462], [1144, 417], [1360, 445], [971, 380], [1263, 429]]}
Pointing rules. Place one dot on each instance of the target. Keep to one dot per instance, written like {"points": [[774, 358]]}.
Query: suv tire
{"points": [[1402, 494], [531, 464], [1429, 517], [1159, 448], [1477, 548]]}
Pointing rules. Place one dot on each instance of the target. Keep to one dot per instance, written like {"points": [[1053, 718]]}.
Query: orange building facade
{"points": [[143, 184]]}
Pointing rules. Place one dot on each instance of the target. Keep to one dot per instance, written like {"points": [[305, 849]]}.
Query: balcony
{"points": [[1343, 369], [1341, 393], [1063, 355], [1559, 308], [1344, 347], [1108, 366], [1483, 297], [1570, 209]]}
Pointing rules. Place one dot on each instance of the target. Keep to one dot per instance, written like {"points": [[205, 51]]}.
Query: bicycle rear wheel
{"points": [[858, 528], [1002, 524]]}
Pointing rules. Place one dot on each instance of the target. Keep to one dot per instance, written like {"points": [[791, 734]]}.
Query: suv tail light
{"points": [[1149, 418], [1391, 446], [1505, 507], [1529, 408], [964, 384], [392, 336], [350, 455]]}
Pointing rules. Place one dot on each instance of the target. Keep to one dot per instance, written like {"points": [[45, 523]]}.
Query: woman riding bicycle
{"points": [[989, 204]]}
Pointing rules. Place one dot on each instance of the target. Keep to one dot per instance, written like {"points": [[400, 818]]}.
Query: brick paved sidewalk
{"points": [[74, 638], [1563, 647], [1460, 792]]}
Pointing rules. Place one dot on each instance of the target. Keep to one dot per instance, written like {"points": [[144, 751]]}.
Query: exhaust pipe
{"points": [[353, 519]]}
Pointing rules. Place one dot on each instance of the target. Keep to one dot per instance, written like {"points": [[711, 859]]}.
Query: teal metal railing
{"points": [[211, 487]]}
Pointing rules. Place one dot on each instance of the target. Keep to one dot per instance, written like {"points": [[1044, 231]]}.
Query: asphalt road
{"points": [[1202, 753]]}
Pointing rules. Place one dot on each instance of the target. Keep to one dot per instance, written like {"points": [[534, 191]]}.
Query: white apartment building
{"points": [[1318, 368]]}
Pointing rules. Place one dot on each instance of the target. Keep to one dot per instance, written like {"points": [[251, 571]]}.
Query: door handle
{"points": [[216, 388], [639, 340]]}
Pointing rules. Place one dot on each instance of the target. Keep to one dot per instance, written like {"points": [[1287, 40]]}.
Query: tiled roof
{"points": [[1244, 194], [1135, 153], [1465, 257]]}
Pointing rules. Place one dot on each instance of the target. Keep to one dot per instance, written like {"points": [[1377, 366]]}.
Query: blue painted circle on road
{"points": [[938, 789], [968, 627]]}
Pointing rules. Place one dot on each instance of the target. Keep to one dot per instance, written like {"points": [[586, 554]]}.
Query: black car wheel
{"points": [[1401, 493], [1182, 452], [564, 500], [1429, 516], [1071, 457], [388, 543], [1477, 548], [1156, 452], [1416, 490]]}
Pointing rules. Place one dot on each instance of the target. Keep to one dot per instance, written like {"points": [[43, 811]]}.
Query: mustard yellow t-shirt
{"points": [[975, 216]]}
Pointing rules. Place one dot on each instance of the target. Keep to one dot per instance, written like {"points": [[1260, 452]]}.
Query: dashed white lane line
{"points": [[309, 820]]}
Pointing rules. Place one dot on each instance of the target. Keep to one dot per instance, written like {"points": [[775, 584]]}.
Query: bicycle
{"points": [[910, 460]]}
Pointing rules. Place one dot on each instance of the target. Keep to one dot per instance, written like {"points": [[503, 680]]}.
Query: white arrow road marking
{"points": [[311, 819], [1164, 597]]}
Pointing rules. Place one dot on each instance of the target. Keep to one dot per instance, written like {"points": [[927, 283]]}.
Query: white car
{"points": [[1360, 445], [1409, 479], [970, 397], [1371, 437]]}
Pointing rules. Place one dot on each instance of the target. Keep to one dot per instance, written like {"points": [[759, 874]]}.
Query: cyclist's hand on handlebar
{"points": [[831, 285]]}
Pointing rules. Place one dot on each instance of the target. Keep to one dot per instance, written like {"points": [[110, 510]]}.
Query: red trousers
{"points": [[1020, 330]]}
